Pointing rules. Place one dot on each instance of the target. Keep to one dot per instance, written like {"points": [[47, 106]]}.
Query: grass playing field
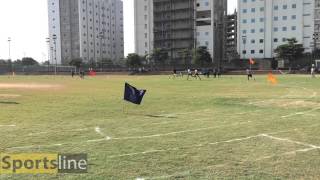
{"points": [[214, 128]]}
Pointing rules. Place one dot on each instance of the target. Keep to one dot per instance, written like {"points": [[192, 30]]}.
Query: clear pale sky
{"points": [[26, 22]]}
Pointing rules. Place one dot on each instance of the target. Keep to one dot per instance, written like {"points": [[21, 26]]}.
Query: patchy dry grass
{"points": [[215, 128]]}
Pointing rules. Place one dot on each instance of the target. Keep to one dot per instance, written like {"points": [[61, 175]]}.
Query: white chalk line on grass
{"points": [[10, 125], [99, 131], [289, 141], [184, 147], [107, 138], [301, 113], [182, 113], [49, 132], [310, 147]]}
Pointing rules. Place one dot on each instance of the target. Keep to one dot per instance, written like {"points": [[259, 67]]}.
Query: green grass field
{"points": [[215, 128]]}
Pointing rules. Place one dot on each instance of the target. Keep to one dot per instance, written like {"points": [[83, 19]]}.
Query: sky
{"points": [[26, 23]]}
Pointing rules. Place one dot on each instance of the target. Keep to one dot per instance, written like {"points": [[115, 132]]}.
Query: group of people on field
{"points": [[196, 74]]}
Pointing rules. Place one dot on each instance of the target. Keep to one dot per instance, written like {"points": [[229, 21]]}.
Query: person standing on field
{"points": [[313, 71]]}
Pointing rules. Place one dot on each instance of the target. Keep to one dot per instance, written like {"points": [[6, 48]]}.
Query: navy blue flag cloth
{"points": [[132, 94]]}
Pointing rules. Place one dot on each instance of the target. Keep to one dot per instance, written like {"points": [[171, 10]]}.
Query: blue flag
{"points": [[132, 94]]}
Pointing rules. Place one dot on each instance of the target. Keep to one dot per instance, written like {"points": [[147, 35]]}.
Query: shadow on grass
{"points": [[9, 103]]}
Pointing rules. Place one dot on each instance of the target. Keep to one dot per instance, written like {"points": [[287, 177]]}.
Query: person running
{"points": [[249, 74], [174, 75], [196, 74]]}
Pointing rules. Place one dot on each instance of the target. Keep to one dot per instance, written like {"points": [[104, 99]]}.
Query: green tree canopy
{"points": [[201, 56], [290, 51], [134, 60], [159, 56], [28, 61], [77, 62]]}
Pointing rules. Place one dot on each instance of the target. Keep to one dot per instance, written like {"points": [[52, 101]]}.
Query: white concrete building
{"points": [[87, 29], [263, 25], [143, 26], [207, 16]]}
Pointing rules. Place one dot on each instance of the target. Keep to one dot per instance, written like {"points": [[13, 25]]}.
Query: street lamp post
{"points": [[48, 45], [9, 42], [54, 37]]}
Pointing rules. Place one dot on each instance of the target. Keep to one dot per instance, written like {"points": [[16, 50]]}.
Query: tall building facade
{"points": [[143, 26], [179, 25], [317, 23], [87, 29], [263, 25]]}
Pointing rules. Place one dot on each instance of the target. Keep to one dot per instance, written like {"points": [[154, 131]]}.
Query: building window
{"points": [[293, 28], [276, 7], [275, 29], [244, 52], [275, 18], [261, 51], [284, 18], [285, 6], [261, 30], [293, 17], [275, 40], [253, 51], [262, 9], [261, 40], [244, 11], [284, 28], [253, 30], [294, 6], [253, 10]]}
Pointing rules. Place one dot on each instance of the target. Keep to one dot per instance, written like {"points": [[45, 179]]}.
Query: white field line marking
{"points": [[48, 132], [290, 141], [107, 138], [98, 131], [183, 147], [177, 132], [182, 113], [301, 113], [10, 125]]}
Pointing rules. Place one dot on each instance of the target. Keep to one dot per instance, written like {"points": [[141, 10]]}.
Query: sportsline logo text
{"points": [[43, 163]]}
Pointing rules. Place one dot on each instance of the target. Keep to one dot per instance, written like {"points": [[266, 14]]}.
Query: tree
{"points": [[290, 51], [201, 56], [159, 56], [134, 60], [77, 62], [28, 61]]}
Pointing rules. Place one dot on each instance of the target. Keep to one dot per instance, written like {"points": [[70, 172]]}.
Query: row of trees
{"points": [[26, 61], [160, 57]]}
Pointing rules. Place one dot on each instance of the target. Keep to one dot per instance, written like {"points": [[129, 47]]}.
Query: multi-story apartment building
{"points": [[263, 25], [231, 37], [143, 13], [179, 25], [317, 23], [87, 29]]}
